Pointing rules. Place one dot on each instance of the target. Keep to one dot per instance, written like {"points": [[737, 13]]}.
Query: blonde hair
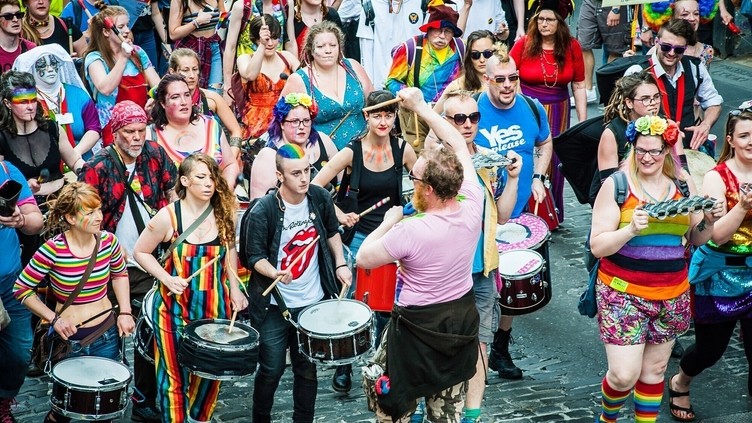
{"points": [[670, 167]]}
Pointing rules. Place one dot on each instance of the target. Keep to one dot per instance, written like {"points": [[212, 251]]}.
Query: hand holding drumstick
{"points": [[177, 285], [285, 276]]}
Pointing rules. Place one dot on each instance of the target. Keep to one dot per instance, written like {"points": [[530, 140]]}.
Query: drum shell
{"points": [[336, 348], [525, 293], [218, 361], [546, 210], [81, 402], [376, 287], [143, 339]]}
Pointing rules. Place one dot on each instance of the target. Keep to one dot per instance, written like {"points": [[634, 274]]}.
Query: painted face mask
{"points": [[46, 70]]}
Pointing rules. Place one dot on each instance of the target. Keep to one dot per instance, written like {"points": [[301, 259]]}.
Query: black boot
{"points": [[341, 382], [499, 358]]}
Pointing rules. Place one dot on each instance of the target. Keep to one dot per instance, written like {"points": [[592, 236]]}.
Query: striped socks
{"points": [[611, 402], [647, 401]]}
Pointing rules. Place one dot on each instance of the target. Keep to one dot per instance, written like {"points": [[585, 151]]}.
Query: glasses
{"points": [[501, 79], [647, 101], [475, 55], [10, 16], [461, 118], [666, 47], [412, 177], [653, 153], [297, 122], [541, 19]]}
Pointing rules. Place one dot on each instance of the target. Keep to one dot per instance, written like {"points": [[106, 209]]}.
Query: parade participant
{"points": [[380, 177], [183, 396], [434, 283], [185, 63], [151, 175], [80, 15], [42, 28], [460, 109], [16, 338], [656, 14], [643, 268], [338, 85], [116, 70], [438, 62], [181, 131], [511, 121], [480, 47], [282, 224], [11, 43], [549, 60], [63, 96], [718, 273], [193, 25], [484, 15], [293, 117], [262, 75], [309, 13], [64, 260]]}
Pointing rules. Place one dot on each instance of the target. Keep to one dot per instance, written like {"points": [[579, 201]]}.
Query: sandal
{"points": [[673, 408]]}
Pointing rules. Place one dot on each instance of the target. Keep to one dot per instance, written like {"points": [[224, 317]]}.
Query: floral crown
{"points": [[291, 101], [653, 125]]}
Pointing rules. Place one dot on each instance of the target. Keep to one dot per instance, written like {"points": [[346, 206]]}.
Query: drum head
{"points": [[519, 264], [525, 232], [699, 164], [90, 372], [333, 317], [216, 332]]}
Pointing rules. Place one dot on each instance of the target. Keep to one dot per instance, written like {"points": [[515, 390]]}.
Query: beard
{"points": [[419, 198]]}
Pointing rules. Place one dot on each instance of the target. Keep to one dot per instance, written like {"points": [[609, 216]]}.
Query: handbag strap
{"points": [[85, 277], [185, 234]]}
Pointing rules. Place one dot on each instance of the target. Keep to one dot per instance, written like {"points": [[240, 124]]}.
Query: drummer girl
{"points": [[181, 395], [89, 323]]}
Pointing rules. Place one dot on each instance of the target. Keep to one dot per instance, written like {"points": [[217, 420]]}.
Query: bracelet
{"points": [[52, 323], [125, 314], [195, 23], [341, 265], [542, 178], [236, 142]]}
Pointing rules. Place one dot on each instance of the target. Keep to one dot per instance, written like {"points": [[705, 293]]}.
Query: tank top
{"points": [[33, 152], [741, 240]]}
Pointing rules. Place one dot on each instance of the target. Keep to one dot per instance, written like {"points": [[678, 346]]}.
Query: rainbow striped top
{"points": [[651, 265], [54, 258]]}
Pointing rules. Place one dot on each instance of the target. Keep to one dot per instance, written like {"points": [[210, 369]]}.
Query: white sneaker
{"points": [[592, 97]]}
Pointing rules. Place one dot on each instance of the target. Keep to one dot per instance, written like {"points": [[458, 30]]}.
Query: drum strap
{"points": [[184, 235], [282, 306]]}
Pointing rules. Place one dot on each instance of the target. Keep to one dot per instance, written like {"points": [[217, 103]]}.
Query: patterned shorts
{"points": [[625, 319]]}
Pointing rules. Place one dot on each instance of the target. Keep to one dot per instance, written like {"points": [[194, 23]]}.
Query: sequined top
{"points": [[741, 240]]}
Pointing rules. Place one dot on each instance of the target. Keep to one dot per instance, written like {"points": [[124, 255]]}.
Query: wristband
{"points": [[615, 10], [195, 23], [125, 314], [542, 178], [52, 323], [341, 265], [236, 142]]}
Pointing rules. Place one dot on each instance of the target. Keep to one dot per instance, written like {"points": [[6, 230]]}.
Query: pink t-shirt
{"points": [[436, 251]]}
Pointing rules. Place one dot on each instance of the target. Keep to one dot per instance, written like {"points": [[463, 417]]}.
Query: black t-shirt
{"points": [[60, 34]]}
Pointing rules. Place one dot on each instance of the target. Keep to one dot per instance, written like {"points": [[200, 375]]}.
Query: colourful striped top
{"points": [[741, 240], [212, 147], [652, 264], [437, 69], [54, 258]]}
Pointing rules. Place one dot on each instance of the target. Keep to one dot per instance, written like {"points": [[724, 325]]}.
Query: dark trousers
{"points": [[352, 43], [144, 375]]}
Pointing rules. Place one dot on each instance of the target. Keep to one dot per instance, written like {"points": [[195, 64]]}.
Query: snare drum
{"points": [[523, 289], [527, 232], [90, 388], [210, 351], [143, 339], [546, 210], [336, 332], [376, 287]]}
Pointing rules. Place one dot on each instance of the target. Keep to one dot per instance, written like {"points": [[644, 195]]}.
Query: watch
{"points": [[615, 10], [541, 177]]}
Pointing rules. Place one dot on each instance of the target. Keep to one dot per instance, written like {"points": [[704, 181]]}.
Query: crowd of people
{"points": [[131, 133]]}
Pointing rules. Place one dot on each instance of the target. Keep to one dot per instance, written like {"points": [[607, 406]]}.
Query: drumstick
{"points": [[372, 208], [342, 293], [535, 209], [201, 269], [416, 143], [294, 262], [382, 104], [232, 321], [83, 6]]}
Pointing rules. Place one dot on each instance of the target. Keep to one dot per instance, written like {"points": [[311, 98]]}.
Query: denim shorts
{"points": [[484, 288]]}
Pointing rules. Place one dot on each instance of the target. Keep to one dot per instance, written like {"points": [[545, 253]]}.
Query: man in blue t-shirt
{"points": [[507, 122], [16, 338]]}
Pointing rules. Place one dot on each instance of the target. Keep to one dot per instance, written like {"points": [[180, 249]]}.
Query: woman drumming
{"points": [[181, 131], [91, 321], [721, 278], [292, 123], [548, 60], [193, 25], [642, 290], [116, 70], [262, 72], [479, 48], [181, 395], [338, 85], [42, 28]]}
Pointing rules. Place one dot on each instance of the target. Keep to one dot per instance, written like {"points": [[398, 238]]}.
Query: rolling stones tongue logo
{"points": [[295, 247]]}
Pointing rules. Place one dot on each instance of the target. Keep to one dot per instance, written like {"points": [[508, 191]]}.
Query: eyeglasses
{"points": [[666, 47], [446, 32], [647, 101], [412, 177], [501, 79], [653, 153], [541, 19], [461, 118], [475, 55], [297, 122], [10, 16]]}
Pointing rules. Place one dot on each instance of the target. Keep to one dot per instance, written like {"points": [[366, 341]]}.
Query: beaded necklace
{"points": [[544, 61]]}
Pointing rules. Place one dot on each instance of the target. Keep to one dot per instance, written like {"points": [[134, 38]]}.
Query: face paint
{"points": [[24, 96]]}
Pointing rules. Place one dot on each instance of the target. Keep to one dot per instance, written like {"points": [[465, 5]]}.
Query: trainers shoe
{"points": [[147, 414], [5, 415], [467, 420]]}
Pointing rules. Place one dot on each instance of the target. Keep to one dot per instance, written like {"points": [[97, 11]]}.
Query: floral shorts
{"points": [[626, 319]]}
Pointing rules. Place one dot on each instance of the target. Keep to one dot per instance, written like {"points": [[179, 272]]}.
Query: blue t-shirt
{"points": [[515, 129], [8, 237]]}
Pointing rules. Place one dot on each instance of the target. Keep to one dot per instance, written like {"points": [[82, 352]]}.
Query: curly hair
{"points": [[657, 14], [100, 43], [562, 39], [734, 117], [158, 114], [322, 28], [10, 81], [625, 88], [469, 76], [223, 199], [443, 172], [71, 198]]}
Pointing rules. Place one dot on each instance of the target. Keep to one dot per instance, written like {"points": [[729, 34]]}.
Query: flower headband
{"points": [[291, 101], [653, 125]]}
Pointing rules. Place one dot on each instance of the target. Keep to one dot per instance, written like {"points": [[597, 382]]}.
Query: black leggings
{"points": [[711, 340]]}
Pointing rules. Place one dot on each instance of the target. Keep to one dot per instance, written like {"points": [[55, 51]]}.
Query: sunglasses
{"points": [[501, 79], [475, 55], [461, 118], [10, 16], [666, 47]]}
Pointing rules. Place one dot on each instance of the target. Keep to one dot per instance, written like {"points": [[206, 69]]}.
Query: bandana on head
{"points": [[125, 113]]}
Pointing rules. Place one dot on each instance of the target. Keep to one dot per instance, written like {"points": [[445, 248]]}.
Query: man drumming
{"points": [[432, 339], [281, 225]]}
